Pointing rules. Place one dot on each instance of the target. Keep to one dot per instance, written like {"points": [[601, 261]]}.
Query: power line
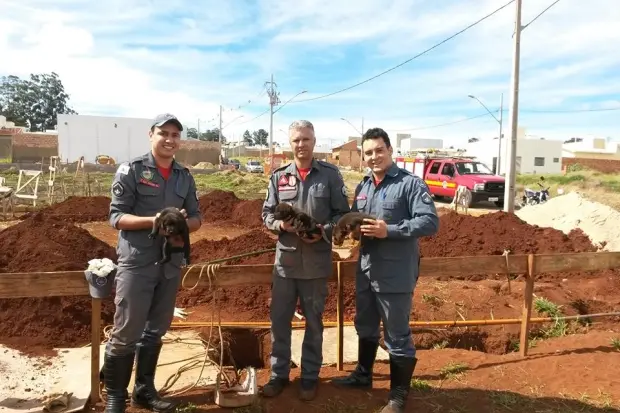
{"points": [[497, 111], [540, 14], [411, 59]]}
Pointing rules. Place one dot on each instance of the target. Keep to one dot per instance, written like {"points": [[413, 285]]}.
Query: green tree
{"points": [[260, 137], [247, 138], [35, 102], [192, 133], [212, 135]]}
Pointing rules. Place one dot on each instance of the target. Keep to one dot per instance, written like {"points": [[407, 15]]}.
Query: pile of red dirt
{"points": [[47, 243], [242, 298], [78, 209], [491, 234], [224, 207]]}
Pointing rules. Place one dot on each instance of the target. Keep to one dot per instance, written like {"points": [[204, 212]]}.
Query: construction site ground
{"points": [[570, 368]]}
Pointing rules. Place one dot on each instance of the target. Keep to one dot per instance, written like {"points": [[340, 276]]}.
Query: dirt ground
{"points": [[475, 369], [563, 375]]}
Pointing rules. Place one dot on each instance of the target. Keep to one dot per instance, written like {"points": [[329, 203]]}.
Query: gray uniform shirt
{"points": [[404, 202], [323, 196], [139, 189]]}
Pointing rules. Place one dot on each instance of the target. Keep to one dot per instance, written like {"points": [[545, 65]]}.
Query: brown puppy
{"points": [[304, 224], [174, 226], [349, 224]]}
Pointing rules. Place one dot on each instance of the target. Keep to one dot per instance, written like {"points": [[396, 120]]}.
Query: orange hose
{"points": [[453, 323]]}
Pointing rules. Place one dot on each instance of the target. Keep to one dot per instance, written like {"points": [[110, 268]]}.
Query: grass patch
{"points": [[550, 309], [336, 405], [615, 343], [453, 370]]}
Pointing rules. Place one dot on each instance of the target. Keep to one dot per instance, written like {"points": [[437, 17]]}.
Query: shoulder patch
{"points": [[123, 169], [426, 198], [118, 189], [344, 191]]}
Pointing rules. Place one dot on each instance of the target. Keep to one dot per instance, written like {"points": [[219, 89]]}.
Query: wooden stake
{"points": [[340, 318], [527, 305], [95, 339]]}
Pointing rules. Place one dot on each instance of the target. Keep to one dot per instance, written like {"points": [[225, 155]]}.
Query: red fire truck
{"points": [[444, 173]]}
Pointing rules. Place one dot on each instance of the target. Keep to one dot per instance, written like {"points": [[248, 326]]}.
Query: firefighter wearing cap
{"points": [[302, 266], [388, 265], [145, 292]]}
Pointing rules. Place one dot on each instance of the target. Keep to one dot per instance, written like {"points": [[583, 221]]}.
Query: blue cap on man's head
{"points": [[162, 119]]}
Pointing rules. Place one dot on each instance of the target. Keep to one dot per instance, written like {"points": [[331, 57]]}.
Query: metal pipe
{"points": [[452, 323]]}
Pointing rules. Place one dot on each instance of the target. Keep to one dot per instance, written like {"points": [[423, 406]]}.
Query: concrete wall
{"points": [[534, 156], [119, 137]]}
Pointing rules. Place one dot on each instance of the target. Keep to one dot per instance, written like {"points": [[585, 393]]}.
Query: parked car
{"points": [[254, 167], [236, 163]]}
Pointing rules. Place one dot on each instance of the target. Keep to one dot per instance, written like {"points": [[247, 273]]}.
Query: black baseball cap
{"points": [[162, 119]]}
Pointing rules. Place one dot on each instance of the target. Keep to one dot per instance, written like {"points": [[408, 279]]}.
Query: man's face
{"points": [[165, 140], [302, 143], [377, 155]]}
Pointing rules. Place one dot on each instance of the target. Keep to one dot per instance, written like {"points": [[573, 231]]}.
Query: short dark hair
{"points": [[377, 133]]}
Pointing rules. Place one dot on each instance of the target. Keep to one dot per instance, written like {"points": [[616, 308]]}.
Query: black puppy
{"points": [[304, 224], [174, 226], [349, 223]]}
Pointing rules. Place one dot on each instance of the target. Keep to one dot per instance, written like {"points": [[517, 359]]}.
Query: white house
{"points": [[591, 147], [534, 155]]}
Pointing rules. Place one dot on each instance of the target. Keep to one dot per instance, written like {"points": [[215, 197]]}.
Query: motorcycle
{"points": [[531, 197]]}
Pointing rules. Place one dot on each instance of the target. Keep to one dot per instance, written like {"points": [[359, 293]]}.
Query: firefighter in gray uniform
{"points": [[388, 265], [302, 266], [145, 292]]}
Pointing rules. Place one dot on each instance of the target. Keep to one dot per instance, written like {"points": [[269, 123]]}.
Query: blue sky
{"points": [[140, 57]]}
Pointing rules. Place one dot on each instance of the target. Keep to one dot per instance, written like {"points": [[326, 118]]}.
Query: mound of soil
{"points": [[491, 234], [218, 205], [79, 209], [251, 300], [223, 207], [47, 243]]}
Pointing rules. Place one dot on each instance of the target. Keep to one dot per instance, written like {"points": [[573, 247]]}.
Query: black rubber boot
{"points": [[116, 375], [401, 372], [361, 377], [144, 393]]}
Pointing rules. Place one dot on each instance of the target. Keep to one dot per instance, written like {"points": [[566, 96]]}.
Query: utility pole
{"points": [[220, 128], [499, 139], [274, 99], [509, 191]]}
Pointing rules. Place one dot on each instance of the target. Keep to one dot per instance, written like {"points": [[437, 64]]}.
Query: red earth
{"points": [[496, 377]]}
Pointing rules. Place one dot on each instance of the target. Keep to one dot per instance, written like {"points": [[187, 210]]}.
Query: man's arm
{"points": [[358, 189], [272, 224], [123, 198], [191, 206], [339, 202], [424, 221]]}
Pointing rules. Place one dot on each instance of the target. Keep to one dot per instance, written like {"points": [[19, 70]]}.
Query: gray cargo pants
{"points": [[145, 298], [312, 294]]}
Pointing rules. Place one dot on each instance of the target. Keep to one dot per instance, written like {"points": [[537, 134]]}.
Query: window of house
{"points": [[556, 160], [434, 168], [538, 161]]}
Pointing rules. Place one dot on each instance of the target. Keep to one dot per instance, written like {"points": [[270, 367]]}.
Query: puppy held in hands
{"points": [[304, 224], [172, 225], [349, 224]]}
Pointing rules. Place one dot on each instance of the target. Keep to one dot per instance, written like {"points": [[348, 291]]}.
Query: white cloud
{"points": [[141, 57]]}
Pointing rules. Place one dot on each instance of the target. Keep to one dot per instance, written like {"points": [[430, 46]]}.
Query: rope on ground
{"points": [[211, 269]]}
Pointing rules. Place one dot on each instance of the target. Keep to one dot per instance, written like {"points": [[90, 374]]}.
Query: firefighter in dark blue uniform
{"points": [[388, 265], [145, 292]]}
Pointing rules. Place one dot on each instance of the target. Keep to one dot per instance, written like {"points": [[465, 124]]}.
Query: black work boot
{"points": [[275, 386], [361, 377], [401, 372], [116, 375], [144, 392]]}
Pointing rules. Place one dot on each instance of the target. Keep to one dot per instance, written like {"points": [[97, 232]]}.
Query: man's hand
{"points": [[376, 228], [315, 237], [286, 226]]}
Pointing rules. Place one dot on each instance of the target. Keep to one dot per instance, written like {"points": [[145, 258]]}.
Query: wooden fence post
{"points": [[527, 305], [340, 319], [95, 341]]}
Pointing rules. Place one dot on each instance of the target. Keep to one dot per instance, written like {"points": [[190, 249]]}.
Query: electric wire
{"points": [[408, 60]]}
